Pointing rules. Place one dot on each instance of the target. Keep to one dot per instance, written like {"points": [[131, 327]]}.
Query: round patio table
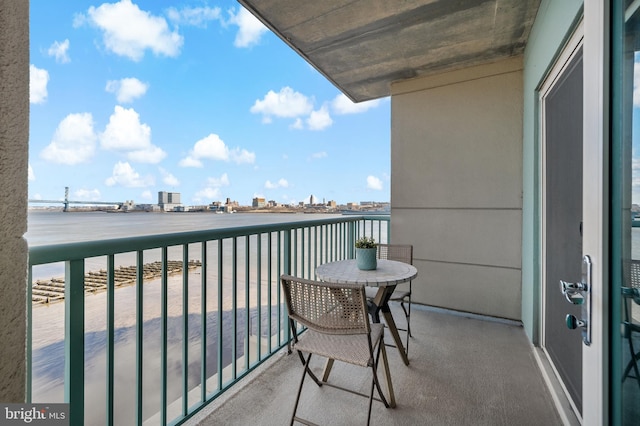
{"points": [[386, 276]]}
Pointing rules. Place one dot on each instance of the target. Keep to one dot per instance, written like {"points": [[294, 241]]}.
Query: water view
{"points": [[48, 319]]}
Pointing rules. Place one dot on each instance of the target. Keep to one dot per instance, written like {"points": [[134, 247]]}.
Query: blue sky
{"points": [[133, 97]]}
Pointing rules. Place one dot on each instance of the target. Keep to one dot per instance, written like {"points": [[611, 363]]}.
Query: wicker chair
{"points": [[402, 294], [631, 292], [338, 328]]}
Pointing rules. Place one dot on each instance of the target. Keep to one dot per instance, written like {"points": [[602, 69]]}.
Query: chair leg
{"points": [[305, 362], [373, 385], [633, 362], [374, 378], [407, 315], [385, 363], [635, 359], [304, 374]]}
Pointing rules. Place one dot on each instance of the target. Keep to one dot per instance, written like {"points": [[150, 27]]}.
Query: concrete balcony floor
{"points": [[463, 371]]}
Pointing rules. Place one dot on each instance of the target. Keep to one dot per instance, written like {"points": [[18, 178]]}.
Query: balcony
{"points": [[464, 370], [205, 344], [153, 328]]}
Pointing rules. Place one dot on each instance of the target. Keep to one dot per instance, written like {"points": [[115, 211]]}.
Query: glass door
{"points": [[625, 212]]}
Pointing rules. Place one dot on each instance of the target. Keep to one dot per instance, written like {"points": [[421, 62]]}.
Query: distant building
{"points": [[168, 201], [312, 200], [216, 206], [128, 205], [332, 204], [259, 202]]}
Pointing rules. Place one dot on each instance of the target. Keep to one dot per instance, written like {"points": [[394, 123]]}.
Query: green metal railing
{"points": [[238, 288]]}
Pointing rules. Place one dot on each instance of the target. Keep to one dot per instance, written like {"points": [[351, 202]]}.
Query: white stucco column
{"points": [[14, 142]]}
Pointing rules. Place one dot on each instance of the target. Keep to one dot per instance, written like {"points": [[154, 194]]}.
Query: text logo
{"points": [[36, 414]]}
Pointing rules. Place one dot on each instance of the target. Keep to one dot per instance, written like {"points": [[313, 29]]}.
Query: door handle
{"points": [[573, 292], [580, 294]]}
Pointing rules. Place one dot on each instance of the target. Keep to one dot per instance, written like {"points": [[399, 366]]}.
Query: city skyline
{"points": [[129, 98], [164, 197]]}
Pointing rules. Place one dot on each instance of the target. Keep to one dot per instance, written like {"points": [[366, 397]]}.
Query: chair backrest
{"points": [[634, 274], [631, 287], [399, 252], [326, 307]]}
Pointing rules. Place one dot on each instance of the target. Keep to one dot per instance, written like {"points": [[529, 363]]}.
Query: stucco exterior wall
{"points": [[456, 186], [14, 135], [552, 27]]}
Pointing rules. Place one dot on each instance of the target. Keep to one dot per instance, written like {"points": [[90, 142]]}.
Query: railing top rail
{"points": [[52, 253]]}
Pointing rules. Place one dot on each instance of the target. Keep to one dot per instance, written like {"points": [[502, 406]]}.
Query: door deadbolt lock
{"points": [[573, 322], [580, 294]]}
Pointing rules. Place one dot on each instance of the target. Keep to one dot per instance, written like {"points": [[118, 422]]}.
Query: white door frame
{"points": [[595, 358]]}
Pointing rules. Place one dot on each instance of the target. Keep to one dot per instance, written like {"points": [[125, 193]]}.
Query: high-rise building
{"points": [[168, 200]]}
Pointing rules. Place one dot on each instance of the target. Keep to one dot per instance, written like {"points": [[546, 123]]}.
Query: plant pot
{"points": [[366, 258]]}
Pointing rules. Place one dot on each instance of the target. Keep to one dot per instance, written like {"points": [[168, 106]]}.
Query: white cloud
{"points": [[32, 175], [59, 51], [212, 188], [374, 183], [250, 29], [320, 119], [38, 80], [151, 154], [223, 180], [125, 133], [74, 140], [87, 195], [213, 147], [189, 161], [194, 16], [282, 183], [128, 31], [298, 124], [146, 195], [319, 155], [125, 175], [127, 89], [286, 104], [242, 156], [168, 178], [207, 194], [343, 105]]}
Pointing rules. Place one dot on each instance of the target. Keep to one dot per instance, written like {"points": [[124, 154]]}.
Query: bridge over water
{"points": [[66, 201]]}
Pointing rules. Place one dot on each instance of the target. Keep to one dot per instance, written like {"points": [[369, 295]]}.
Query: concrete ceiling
{"points": [[362, 46]]}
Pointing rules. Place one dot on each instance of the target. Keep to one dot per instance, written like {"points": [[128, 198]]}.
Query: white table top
{"points": [[388, 272]]}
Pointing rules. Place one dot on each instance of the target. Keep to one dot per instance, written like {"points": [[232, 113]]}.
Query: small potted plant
{"points": [[366, 252]]}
